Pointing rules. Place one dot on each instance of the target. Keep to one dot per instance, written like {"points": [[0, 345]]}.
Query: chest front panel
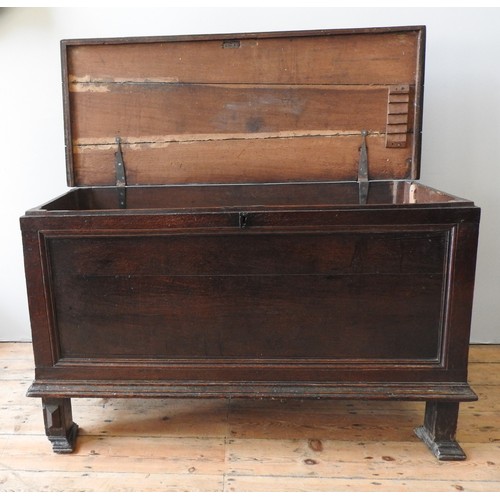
{"points": [[368, 295]]}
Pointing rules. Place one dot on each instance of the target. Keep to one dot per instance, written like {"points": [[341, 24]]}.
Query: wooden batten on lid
{"points": [[268, 107]]}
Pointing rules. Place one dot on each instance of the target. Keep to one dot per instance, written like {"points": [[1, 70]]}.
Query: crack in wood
{"points": [[214, 138]]}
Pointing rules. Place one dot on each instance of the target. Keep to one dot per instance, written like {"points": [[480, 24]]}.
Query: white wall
{"points": [[461, 142]]}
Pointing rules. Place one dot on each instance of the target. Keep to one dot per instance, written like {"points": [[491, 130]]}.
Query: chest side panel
{"points": [[261, 107]]}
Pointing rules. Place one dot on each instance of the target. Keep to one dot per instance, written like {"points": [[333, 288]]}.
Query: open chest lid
{"points": [[259, 107]]}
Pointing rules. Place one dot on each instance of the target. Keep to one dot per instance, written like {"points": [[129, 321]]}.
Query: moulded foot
{"points": [[443, 450], [65, 444], [59, 425]]}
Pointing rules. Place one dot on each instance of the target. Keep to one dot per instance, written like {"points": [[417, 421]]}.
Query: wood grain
{"points": [[139, 112], [241, 483], [343, 59]]}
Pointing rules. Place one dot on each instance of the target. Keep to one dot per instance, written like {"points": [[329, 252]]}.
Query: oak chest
{"points": [[245, 221]]}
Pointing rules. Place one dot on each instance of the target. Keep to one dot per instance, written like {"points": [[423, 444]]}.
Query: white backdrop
{"points": [[461, 139]]}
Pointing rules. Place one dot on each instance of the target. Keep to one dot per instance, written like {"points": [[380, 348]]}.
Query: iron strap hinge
{"points": [[363, 182], [121, 179]]}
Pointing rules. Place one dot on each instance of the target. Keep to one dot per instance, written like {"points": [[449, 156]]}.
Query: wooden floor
{"points": [[239, 445]]}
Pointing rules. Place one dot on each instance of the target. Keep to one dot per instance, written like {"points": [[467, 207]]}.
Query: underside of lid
{"points": [[266, 107]]}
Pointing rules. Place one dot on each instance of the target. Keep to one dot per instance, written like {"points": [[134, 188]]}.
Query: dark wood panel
{"points": [[286, 159], [262, 317], [250, 253], [256, 296], [344, 59]]}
